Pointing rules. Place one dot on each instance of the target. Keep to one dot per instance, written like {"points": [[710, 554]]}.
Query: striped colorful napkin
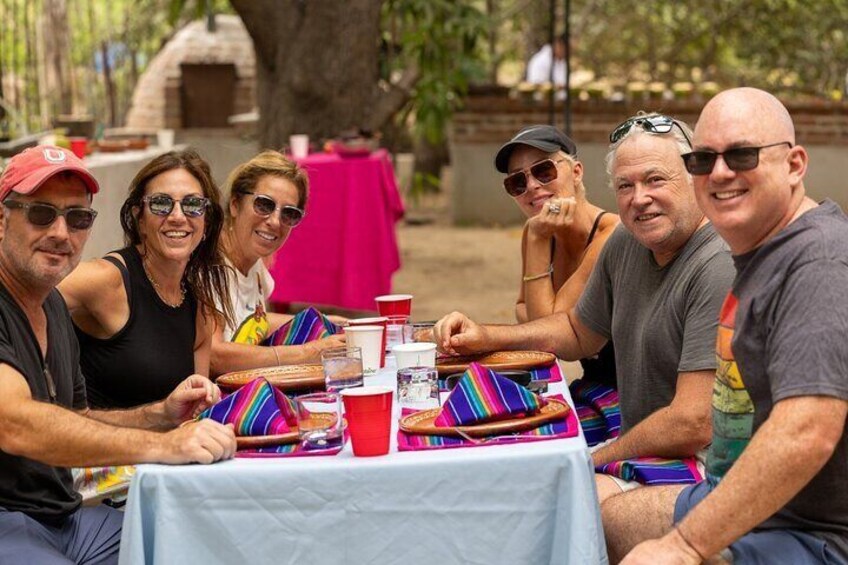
{"points": [[307, 325], [552, 374], [558, 429], [481, 395], [654, 470], [256, 409], [598, 410], [600, 417]]}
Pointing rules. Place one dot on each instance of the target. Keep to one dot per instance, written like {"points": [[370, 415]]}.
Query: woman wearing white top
{"points": [[267, 198]]}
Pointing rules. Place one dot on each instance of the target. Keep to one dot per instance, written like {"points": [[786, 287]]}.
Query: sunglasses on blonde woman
{"points": [[265, 206], [543, 171]]}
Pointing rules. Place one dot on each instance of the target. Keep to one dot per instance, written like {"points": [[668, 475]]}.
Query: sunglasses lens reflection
{"points": [[80, 219], [291, 216], [544, 172], [41, 215], [160, 205], [516, 184], [263, 205], [193, 206]]}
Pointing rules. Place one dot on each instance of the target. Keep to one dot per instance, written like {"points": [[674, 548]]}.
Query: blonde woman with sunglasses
{"points": [[267, 199], [564, 232], [144, 315]]}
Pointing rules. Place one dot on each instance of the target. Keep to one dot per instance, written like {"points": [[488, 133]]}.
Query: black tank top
{"points": [[150, 355]]}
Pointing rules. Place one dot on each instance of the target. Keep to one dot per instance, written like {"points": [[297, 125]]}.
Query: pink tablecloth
{"points": [[345, 251]]}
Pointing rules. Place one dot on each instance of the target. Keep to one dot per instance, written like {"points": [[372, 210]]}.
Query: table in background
{"points": [[345, 251], [530, 503]]}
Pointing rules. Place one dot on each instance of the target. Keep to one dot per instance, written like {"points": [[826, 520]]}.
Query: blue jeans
{"points": [[767, 547], [89, 535]]}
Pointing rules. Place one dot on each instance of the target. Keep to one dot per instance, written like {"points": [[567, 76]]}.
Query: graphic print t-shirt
{"points": [[733, 411]]}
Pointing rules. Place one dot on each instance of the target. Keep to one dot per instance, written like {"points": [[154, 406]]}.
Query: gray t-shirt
{"points": [[784, 333], [662, 319]]}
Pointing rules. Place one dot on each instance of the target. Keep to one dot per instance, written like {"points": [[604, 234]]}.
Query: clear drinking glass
{"points": [[394, 330], [319, 420], [418, 388], [342, 368]]}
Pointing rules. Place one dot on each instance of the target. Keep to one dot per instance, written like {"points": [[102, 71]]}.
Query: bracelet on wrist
{"points": [[528, 278], [276, 355]]}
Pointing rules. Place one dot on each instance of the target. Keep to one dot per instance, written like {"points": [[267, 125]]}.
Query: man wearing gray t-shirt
{"points": [[775, 489], [656, 289]]}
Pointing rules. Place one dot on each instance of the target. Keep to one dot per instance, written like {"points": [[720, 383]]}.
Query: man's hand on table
{"points": [[205, 441], [457, 334]]}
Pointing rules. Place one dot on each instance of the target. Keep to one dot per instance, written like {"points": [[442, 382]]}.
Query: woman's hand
{"points": [[314, 348], [557, 214]]}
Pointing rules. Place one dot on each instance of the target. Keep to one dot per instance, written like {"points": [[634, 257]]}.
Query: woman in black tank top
{"points": [[144, 314], [563, 235]]}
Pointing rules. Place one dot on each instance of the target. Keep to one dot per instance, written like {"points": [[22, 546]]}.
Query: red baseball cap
{"points": [[28, 170]]}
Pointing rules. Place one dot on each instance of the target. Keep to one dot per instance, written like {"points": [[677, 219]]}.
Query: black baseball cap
{"points": [[544, 137]]}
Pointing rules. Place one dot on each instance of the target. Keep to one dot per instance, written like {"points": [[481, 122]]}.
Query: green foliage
{"points": [[786, 46], [441, 39]]}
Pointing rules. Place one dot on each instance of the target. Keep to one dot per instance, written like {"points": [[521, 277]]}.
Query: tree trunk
{"points": [[317, 65], [56, 56]]}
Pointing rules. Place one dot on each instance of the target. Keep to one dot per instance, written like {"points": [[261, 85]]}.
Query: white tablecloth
{"points": [[529, 503]]}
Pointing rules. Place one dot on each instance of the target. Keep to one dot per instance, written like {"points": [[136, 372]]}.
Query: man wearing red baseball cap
{"points": [[45, 424]]}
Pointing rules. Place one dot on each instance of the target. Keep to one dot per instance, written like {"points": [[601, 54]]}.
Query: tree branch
{"points": [[390, 101]]}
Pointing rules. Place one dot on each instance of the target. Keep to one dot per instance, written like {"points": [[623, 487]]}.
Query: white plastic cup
{"points": [[370, 340], [165, 138], [299, 144], [415, 355]]}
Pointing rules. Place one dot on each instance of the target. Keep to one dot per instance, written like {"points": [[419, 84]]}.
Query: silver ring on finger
{"points": [[554, 209]]}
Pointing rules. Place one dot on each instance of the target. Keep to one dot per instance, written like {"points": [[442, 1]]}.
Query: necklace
{"points": [[159, 291]]}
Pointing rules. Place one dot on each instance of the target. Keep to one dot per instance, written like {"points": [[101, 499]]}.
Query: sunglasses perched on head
{"points": [[651, 124], [737, 159], [265, 206], [543, 171], [43, 215], [162, 205]]}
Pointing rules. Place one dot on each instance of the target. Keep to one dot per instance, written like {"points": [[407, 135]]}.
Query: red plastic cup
{"points": [[79, 145], [368, 411], [381, 321], [394, 304]]}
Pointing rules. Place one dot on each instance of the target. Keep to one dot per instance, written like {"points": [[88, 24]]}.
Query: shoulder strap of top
{"points": [[125, 274], [595, 227]]}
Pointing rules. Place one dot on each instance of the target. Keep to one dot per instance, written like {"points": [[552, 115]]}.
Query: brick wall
{"points": [[494, 119]]}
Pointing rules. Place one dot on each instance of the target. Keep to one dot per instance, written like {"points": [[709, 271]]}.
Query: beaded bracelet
{"points": [[540, 275]]}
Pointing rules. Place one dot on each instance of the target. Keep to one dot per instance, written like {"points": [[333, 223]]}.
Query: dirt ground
{"points": [[475, 270]]}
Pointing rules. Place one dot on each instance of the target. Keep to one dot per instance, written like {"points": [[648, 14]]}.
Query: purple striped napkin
{"points": [[558, 429], [307, 325]]}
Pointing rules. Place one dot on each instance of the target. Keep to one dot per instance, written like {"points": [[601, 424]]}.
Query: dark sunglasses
{"points": [[737, 159], [543, 171], [651, 124], [265, 206], [42, 215], [163, 205]]}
